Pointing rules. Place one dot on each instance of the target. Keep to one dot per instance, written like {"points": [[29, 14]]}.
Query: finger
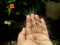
{"points": [[43, 21], [32, 18], [43, 24], [38, 23], [29, 35], [44, 27], [28, 24], [21, 36], [37, 18], [33, 26]]}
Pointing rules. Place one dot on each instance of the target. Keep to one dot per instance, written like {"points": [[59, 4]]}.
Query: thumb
{"points": [[21, 36]]}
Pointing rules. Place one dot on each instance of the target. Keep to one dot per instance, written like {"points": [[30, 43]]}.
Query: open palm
{"points": [[35, 33]]}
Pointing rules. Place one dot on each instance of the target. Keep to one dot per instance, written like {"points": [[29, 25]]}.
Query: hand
{"points": [[35, 33]]}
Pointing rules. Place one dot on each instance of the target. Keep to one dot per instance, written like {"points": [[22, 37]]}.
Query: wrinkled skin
{"points": [[35, 32]]}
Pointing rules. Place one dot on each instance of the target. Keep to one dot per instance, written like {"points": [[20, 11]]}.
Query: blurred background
{"points": [[13, 14]]}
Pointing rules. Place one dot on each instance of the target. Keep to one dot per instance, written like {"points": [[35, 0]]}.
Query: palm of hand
{"points": [[34, 34]]}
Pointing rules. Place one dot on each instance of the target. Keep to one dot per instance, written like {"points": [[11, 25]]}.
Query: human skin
{"points": [[35, 32]]}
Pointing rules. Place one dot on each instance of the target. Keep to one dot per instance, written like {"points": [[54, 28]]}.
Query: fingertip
{"points": [[32, 15], [22, 33], [28, 16], [23, 30], [42, 21], [37, 18], [28, 19]]}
